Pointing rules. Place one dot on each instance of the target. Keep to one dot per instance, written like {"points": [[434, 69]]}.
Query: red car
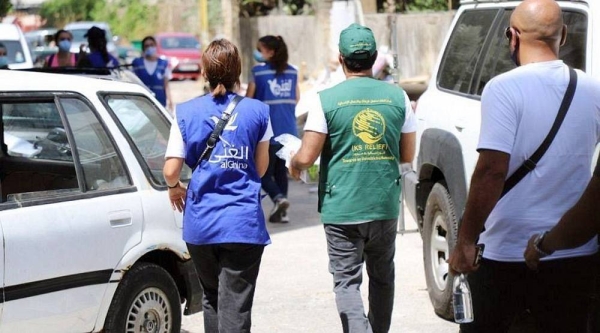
{"points": [[183, 52]]}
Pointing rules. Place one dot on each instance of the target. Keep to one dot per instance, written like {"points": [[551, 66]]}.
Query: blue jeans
{"points": [[275, 180], [228, 274], [373, 243]]}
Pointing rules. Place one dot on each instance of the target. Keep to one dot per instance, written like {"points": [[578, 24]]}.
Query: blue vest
{"points": [[155, 81], [279, 92], [97, 61], [223, 200]]}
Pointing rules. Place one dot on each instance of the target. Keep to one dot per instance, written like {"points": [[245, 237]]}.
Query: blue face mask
{"points": [[3, 61], [258, 56], [64, 45], [150, 52]]}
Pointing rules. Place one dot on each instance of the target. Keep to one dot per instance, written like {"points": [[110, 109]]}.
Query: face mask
{"points": [[64, 45], [258, 56], [150, 52], [3, 61]]}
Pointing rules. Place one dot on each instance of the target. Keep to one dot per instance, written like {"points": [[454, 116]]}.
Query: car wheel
{"points": [[146, 301], [440, 228]]}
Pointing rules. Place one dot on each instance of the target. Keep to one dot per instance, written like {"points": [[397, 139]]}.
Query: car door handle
{"points": [[120, 218]]}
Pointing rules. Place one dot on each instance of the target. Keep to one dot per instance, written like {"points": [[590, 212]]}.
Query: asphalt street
{"points": [[294, 288]]}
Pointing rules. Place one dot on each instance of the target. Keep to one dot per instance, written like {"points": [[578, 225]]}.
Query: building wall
{"points": [[419, 38]]}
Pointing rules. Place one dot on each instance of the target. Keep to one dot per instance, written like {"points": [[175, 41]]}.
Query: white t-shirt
{"points": [[316, 122], [176, 146], [518, 109], [151, 68]]}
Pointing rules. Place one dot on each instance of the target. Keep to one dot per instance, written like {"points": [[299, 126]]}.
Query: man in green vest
{"points": [[363, 129]]}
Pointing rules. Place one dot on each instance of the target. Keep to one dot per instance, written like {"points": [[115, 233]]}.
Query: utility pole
{"points": [[203, 15]]}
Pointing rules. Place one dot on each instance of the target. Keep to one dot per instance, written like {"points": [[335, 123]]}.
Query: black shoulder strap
{"points": [[531, 162], [214, 136]]}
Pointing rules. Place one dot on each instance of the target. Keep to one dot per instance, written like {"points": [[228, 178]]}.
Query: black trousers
{"points": [[558, 295], [228, 275], [275, 180]]}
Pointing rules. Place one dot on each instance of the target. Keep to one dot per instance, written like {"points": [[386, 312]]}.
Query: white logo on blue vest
{"points": [[282, 88], [232, 157]]}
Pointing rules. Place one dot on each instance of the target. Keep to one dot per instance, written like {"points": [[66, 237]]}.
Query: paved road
{"points": [[294, 289]]}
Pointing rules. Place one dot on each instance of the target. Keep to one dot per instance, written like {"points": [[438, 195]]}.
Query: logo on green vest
{"points": [[369, 126]]}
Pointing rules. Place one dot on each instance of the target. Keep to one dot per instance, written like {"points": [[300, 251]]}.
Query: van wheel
{"points": [[440, 229], [146, 301]]}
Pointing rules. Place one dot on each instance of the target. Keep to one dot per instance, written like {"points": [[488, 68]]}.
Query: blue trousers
{"points": [[275, 180]]}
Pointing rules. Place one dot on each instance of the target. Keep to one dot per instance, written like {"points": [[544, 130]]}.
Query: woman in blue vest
{"points": [[275, 82], [153, 71], [98, 56], [223, 222]]}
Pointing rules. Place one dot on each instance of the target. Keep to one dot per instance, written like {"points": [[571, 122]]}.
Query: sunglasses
{"points": [[508, 32]]}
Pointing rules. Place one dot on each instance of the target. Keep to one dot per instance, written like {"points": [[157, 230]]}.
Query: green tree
{"points": [[130, 19], [5, 7], [60, 12]]}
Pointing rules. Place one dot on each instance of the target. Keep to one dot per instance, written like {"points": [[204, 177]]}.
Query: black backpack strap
{"points": [[531, 162], [214, 136]]}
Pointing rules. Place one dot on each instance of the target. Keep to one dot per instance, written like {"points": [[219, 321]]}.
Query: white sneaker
{"points": [[279, 210]]}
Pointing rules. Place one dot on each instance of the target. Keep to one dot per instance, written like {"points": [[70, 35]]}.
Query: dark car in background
{"points": [[182, 51]]}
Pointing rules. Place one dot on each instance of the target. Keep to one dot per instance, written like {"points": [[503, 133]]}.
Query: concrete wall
{"points": [[419, 37]]}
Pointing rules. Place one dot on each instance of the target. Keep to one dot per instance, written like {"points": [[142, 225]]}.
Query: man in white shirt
{"points": [[518, 110]]}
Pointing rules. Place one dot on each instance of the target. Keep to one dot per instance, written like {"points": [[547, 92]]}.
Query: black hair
{"points": [[59, 32], [97, 41], [2, 46], [280, 57], [147, 38], [359, 65]]}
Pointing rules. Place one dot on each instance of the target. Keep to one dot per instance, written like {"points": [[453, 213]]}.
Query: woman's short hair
{"points": [[222, 66], [147, 38], [60, 32]]}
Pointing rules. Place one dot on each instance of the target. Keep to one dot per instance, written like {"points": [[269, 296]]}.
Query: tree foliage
{"points": [[5, 7], [60, 12], [130, 19]]}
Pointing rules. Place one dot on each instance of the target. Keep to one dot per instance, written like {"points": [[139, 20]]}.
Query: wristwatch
{"points": [[537, 244], [174, 186]]}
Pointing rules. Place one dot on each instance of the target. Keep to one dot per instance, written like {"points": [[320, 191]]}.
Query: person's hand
{"points": [[462, 259], [177, 197], [294, 173], [532, 256], [82, 47]]}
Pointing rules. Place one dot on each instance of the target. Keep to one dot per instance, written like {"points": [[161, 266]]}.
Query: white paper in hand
{"points": [[291, 145]]}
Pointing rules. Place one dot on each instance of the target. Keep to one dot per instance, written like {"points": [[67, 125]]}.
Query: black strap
{"points": [[214, 136], [531, 162]]}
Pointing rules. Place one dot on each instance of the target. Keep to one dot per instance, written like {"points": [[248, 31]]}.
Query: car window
{"points": [[15, 51], [39, 158], [179, 43], [464, 48], [148, 132], [79, 34], [498, 55], [101, 165]]}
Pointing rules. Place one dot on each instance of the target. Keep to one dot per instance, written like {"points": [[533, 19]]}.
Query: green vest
{"points": [[359, 176]]}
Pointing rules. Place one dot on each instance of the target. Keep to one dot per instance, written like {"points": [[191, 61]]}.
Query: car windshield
{"points": [[148, 131], [15, 51], [78, 35], [179, 43]]}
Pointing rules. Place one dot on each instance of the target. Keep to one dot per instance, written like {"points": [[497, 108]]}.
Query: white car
{"points": [[19, 54], [79, 29], [448, 116], [88, 239]]}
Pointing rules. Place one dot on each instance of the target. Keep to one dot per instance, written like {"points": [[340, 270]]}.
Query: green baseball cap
{"points": [[357, 42]]}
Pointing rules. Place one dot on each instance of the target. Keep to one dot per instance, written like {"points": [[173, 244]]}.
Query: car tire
{"points": [[440, 229], [146, 297]]}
